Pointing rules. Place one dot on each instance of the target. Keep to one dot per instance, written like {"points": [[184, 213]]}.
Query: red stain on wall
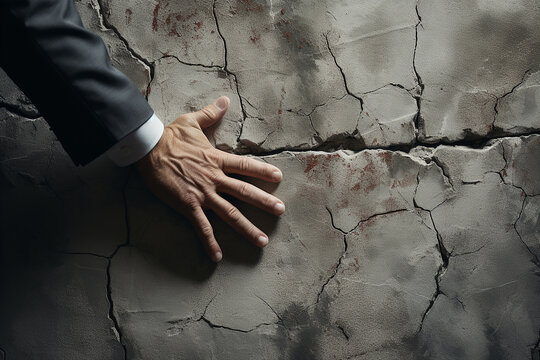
{"points": [[128, 16], [311, 161], [155, 19]]}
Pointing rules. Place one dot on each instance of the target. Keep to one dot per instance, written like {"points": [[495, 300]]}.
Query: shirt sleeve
{"points": [[137, 144]]}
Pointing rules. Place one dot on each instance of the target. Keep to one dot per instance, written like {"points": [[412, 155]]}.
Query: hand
{"points": [[186, 172]]}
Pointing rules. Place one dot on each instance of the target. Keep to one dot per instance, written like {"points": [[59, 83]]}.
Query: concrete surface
{"points": [[409, 138]]}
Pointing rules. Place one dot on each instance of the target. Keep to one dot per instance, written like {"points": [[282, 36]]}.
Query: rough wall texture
{"points": [[409, 138]]}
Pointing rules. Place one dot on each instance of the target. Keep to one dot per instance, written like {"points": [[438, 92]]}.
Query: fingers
{"points": [[252, 195], [232, 216], [212, 113], [242, 165], [206, 234]]}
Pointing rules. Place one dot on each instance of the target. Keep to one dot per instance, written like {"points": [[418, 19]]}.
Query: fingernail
{"points": [[276, 175], [279, 208], [222, 102], [262, 240], [218, 256]]}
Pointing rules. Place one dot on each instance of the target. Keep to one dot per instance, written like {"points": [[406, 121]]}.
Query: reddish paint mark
{"points": [[374, 142], [282, 11], [522, 193], [312, 161], [504, 172], [332, 156], [283, 92], [386, 157], [213, 31], [287, 35], [198, 24], [367, 113], [330, 183], [370, 168], [302, 243], [407, 180], [255, 37], [356, 187], [343, 204], [128, 16], [155, 20]]}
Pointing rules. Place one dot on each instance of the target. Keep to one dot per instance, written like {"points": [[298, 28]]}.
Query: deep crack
{"points": [[105, 21], [112, 315], [342, 73], [440, 271], [14, 109]]}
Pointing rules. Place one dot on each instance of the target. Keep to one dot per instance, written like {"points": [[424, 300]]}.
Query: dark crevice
{"points": [[534, 257], [343, 331], [418, 97], [226, 69], [355, 144], [332, 222], [445, 256], [84, 253], [340, 259], [453, 254], [3, 353], [112, 315], [444, 170], [214, 326], [335, 270], [376, 215], [135, 54], [15, 110], [535, 351], [342, 73], [186, 321], [496, 106], [169, 56]]}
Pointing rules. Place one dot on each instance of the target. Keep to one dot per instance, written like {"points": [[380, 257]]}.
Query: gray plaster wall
{"points": [[408, 134]]}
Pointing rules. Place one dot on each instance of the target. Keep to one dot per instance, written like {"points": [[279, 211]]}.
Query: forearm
{"points": [[65, 70]]}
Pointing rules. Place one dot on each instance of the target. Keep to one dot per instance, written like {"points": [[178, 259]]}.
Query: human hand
{"points": [[186, 172]]}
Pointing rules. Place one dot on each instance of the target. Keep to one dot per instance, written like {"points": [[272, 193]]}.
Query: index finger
{"points": [[243, 165]]}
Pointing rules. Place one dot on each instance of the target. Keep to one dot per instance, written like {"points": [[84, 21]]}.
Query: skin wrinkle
{"points": [[186, 172]]}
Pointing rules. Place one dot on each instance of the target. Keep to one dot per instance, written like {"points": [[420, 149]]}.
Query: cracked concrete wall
{"points": [[409, 138]]}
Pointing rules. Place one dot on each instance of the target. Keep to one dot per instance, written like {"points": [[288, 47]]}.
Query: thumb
{"points": [[211, 114]]}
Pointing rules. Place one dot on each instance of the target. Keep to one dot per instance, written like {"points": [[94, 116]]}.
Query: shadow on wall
{"points": [[170, 240]]}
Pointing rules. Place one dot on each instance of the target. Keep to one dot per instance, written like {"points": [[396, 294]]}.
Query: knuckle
{"points": [[216, 178], [269, 201], [233, 214], [244, 190], [188, 119], [244, 164], [208, 113], [191, 201], [207, 232]]}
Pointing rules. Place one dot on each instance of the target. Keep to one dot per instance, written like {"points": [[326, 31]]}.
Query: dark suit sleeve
{"points": [[65, 70]]}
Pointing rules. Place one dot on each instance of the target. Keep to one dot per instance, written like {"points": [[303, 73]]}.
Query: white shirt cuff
{"points": [[138, 143]]}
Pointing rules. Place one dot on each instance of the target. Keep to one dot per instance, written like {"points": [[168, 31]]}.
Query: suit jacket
{"points": [[65, 70]]}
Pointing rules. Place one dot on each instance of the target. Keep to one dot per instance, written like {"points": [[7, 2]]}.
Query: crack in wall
{"points": [[18, 111], [105, 22], [111, 314], [226, 69], [418, 98], [499, 98], [445, 256], [342, 73], [340, 259], [535, 351], [184, 322]]}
